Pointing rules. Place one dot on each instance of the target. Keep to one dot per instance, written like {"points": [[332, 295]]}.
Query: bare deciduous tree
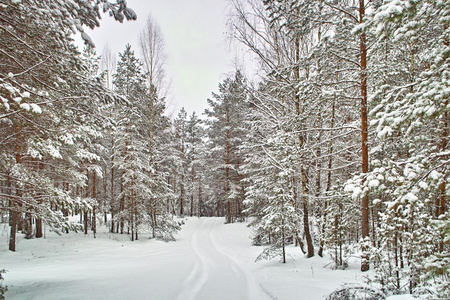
{"points": [[152, 46], [108, 64]]}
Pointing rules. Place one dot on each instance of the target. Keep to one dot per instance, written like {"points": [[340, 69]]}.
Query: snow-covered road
{"points": [[216, 274], [209, 260], [73, 266]]}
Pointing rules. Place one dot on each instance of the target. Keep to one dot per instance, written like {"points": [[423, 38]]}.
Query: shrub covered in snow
{"points": [[356, 293]]}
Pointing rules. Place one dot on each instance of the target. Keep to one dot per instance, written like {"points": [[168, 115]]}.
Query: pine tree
{"points": [[43, 89], [196, 167], [411, 114], [132, 161], [226, 130], [182, 180], [140, 148]]}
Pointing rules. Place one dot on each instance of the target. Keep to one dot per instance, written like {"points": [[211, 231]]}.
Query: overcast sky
{"points": [[194, 32]]}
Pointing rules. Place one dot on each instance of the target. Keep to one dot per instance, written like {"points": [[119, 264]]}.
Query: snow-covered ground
{"points": [[209, 260]]}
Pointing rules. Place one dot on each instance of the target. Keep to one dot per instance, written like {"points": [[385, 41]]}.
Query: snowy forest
{"points": [[337, 149]]}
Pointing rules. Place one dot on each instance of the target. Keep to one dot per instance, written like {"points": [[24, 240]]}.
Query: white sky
{"points": [[194, 33]]}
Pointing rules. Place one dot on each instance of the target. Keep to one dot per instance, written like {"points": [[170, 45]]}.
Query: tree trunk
{"points": [[309, 242], [440, 208], [182, 192], [444, 141], [227, 170], [283, 242], [200, 214], [122, 209], [153, 212], [192, 191], [113, 197], [86, 212], [324, 219], [85, 219], [10, 201], [28, 225], [132, 216], [38, 227], [105, 195], [136, 221], [328, 187], [13, 214], [94, 209], [364, 139], [299, 111], [294, 204], [12, 236]]}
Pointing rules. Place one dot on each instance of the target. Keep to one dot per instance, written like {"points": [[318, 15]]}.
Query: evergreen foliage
{"points": [[3, 288], [306, 125], [139, 131], [64, 134], [290, 151], [226, 128], [48, 102]]}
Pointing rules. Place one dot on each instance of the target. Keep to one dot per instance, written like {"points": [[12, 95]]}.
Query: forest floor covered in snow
{"points": [[209, 260]]}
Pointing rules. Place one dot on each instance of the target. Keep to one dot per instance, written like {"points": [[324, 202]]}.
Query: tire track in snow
{"points": [[254, 289], [197, 277], [216, 274]]}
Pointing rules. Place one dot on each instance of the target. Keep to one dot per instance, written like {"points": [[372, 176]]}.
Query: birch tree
{"points": [[154, 57]]}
